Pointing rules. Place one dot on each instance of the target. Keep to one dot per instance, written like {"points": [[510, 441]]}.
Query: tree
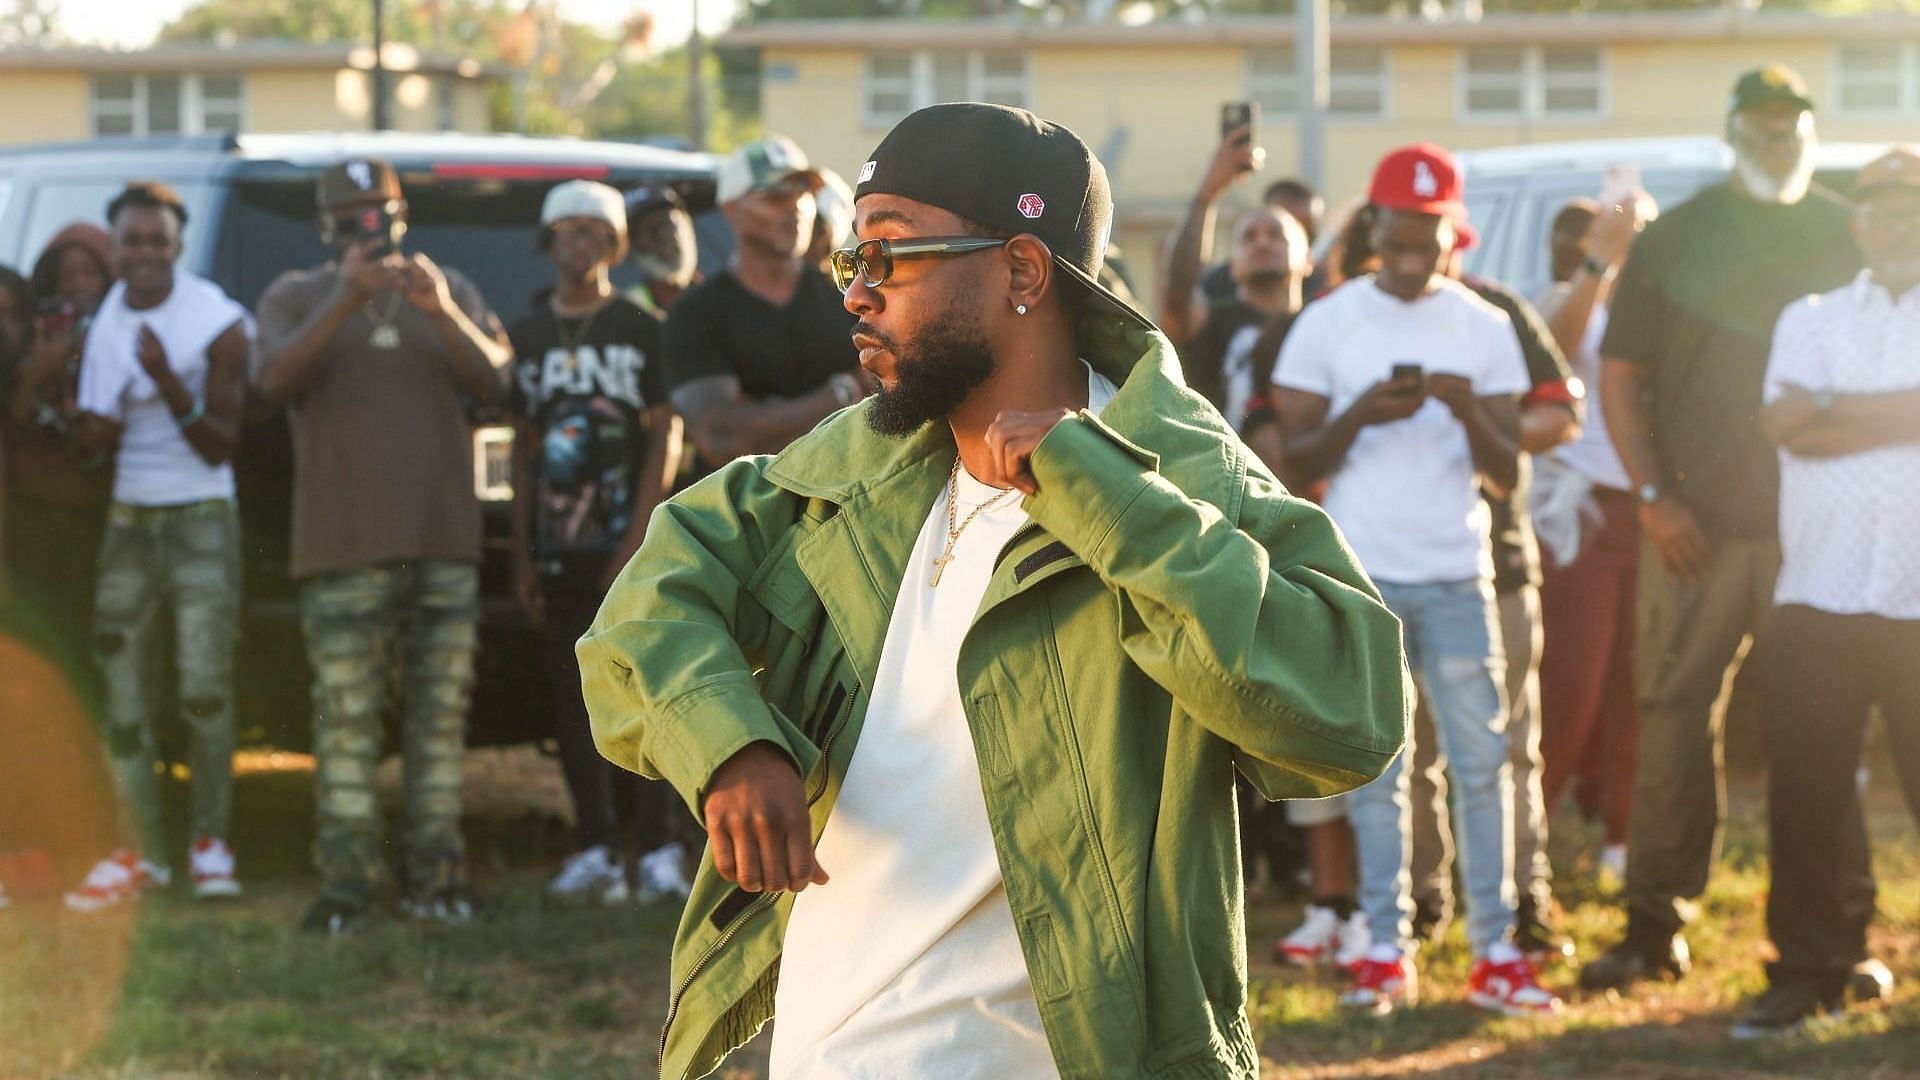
{"points": [[30, 24], [565, 77]]}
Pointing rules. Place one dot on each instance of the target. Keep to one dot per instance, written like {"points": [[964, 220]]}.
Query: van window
{"points": [[486, 231], [54, 206]]}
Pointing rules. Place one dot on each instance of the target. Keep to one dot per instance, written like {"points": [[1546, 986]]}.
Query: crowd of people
{"points": [[1500, 464], [1581, 500]]}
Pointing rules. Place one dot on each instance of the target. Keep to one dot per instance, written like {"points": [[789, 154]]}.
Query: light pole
{"points": [[1310, 40], [382, 118], [696, 87]]}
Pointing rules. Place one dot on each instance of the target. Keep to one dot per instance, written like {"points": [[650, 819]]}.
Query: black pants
{"points": [[1823, 673], [600, 789]]}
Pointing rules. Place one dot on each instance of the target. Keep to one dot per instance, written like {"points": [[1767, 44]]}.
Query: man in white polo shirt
{"points": [[1402, 389], [1843, 406]]}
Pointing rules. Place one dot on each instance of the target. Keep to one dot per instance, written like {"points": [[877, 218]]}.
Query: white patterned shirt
{"points": [[1849, 524]]}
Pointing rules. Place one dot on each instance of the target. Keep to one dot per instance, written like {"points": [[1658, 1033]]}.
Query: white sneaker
{"points": [[1356, 939], [211, 865], [663, 873], [1314, 940], [1612, 870], [116, 879], [593, 874]]}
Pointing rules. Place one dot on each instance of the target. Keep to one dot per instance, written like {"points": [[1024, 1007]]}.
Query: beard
{"points": [[1783, 191], [949, 359]]}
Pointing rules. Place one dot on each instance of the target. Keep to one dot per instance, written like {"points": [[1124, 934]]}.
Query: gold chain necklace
{"points": [[953, 515], [572, 348]]}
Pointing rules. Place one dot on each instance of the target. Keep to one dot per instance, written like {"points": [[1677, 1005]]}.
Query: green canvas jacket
{"points": [[1169, 615]]}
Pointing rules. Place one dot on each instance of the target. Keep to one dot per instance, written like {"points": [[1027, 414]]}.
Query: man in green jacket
{"points": [[1009, 725]]}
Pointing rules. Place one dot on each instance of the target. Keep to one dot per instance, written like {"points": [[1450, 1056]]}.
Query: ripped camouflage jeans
{"points": [[409, 629], [180, 563]]}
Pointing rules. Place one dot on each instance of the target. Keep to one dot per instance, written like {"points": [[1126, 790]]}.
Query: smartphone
{"points": [[1235, 115], [56, 316], [1621, 183], [381, 226], [1412, 373]]}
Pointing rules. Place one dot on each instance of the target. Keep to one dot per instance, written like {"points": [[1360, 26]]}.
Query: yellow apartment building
{"points": [[1148, 97], [59, 94]]}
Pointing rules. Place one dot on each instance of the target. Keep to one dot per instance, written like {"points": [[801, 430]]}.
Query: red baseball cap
{"points": [[1423, 179]]}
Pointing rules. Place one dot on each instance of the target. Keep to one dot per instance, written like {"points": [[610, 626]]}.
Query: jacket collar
{"points": [[1154, 415]]}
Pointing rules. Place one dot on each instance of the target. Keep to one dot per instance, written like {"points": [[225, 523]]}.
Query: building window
{"points": [[897, 83], [1878, 77], [1514, 82], [445, 91], [167, 104], [1356, 78]]}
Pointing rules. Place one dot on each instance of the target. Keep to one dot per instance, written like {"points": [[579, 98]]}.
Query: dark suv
{"points": [[473, 205]]}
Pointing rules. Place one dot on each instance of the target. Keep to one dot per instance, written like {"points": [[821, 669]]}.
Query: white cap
{"points": [[586, 199], [835, 200], [762, 164]]}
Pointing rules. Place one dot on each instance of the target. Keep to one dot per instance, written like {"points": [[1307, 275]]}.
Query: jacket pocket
{"points": [[1045, 969]]}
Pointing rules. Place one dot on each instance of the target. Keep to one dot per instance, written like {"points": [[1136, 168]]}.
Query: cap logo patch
{"points": [[1424, 183], [866, 172], [1032, 206], [360, 174]]}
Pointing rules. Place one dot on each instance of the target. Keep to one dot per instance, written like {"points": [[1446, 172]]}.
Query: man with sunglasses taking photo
{"points": [[376, 356], [989, 648], [757, 354]]}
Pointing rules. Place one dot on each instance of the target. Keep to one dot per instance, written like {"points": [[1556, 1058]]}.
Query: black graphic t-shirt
{"points": [[583, 386]]}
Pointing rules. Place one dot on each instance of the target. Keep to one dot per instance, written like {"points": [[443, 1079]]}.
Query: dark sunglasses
{"points": [[871, 262]]}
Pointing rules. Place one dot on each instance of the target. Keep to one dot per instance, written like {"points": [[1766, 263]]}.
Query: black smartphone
{"points": [[1411, 373], [1235, 115], [381, 229]]}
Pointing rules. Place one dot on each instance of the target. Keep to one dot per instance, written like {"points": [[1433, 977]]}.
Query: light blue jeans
{"points": [[1453, 646]]}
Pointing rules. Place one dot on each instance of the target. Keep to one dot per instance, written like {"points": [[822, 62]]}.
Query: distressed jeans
{"points": [[408, 628], [1453, 645], [180, 563]]}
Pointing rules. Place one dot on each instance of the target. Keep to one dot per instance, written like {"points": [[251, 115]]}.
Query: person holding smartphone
{"points": [[1401, 389], [377, 356], [1269, 266]]}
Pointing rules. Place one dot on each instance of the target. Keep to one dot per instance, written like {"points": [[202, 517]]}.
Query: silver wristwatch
{"points": [[846, 388]]}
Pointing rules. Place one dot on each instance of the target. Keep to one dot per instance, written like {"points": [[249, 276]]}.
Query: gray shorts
{"points": [[1309, 812]]}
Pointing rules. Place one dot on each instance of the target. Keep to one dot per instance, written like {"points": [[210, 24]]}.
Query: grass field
{"points": [[180, 989]]}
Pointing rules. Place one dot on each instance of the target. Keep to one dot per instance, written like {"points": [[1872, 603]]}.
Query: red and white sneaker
{"points": [[117, 878], [1504, 982], [1313, 941], [211, 864], [1383, 981]]}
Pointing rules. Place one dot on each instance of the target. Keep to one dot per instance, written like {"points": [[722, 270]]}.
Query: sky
{"points": [[131, 24]]}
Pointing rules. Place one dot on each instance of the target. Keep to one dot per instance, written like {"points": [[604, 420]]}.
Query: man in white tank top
{"points": [[162, 380]]}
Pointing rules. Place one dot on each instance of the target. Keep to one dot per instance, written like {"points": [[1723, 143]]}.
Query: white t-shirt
{"points": [[1592, 454], [1406, 497], [1850, 525], [907, 963], [155, 465]]}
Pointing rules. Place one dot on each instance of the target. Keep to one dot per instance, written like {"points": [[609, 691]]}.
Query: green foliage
{"points": [[562, 78]]}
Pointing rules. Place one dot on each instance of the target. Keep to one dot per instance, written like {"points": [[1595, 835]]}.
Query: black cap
{"points": [[1008, 170], [1767, 84], [358, 180]]}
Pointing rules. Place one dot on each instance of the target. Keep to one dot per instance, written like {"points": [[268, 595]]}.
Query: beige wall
{"points": [[471, 112], [306, 100], [1153, 113], [44, 106]]}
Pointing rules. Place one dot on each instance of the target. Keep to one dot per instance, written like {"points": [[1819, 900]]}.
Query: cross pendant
{"points": [[939, 567]]}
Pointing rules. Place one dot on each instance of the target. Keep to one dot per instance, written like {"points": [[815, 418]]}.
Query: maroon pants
{"points": [[1589, 718]]}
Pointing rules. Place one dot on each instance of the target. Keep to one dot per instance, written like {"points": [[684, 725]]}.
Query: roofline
{"points": [[1244, 30], [246, 56]]}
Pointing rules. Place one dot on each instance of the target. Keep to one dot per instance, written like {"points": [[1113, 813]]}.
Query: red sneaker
{"points": [[1380, 986], [117, 878], [1510, 987]]}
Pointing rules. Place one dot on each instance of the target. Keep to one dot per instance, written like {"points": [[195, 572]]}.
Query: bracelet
{"points": [[193, 416]]}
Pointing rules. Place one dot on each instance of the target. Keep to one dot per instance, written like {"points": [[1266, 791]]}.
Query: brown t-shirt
{"points": [[382, 443]]}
